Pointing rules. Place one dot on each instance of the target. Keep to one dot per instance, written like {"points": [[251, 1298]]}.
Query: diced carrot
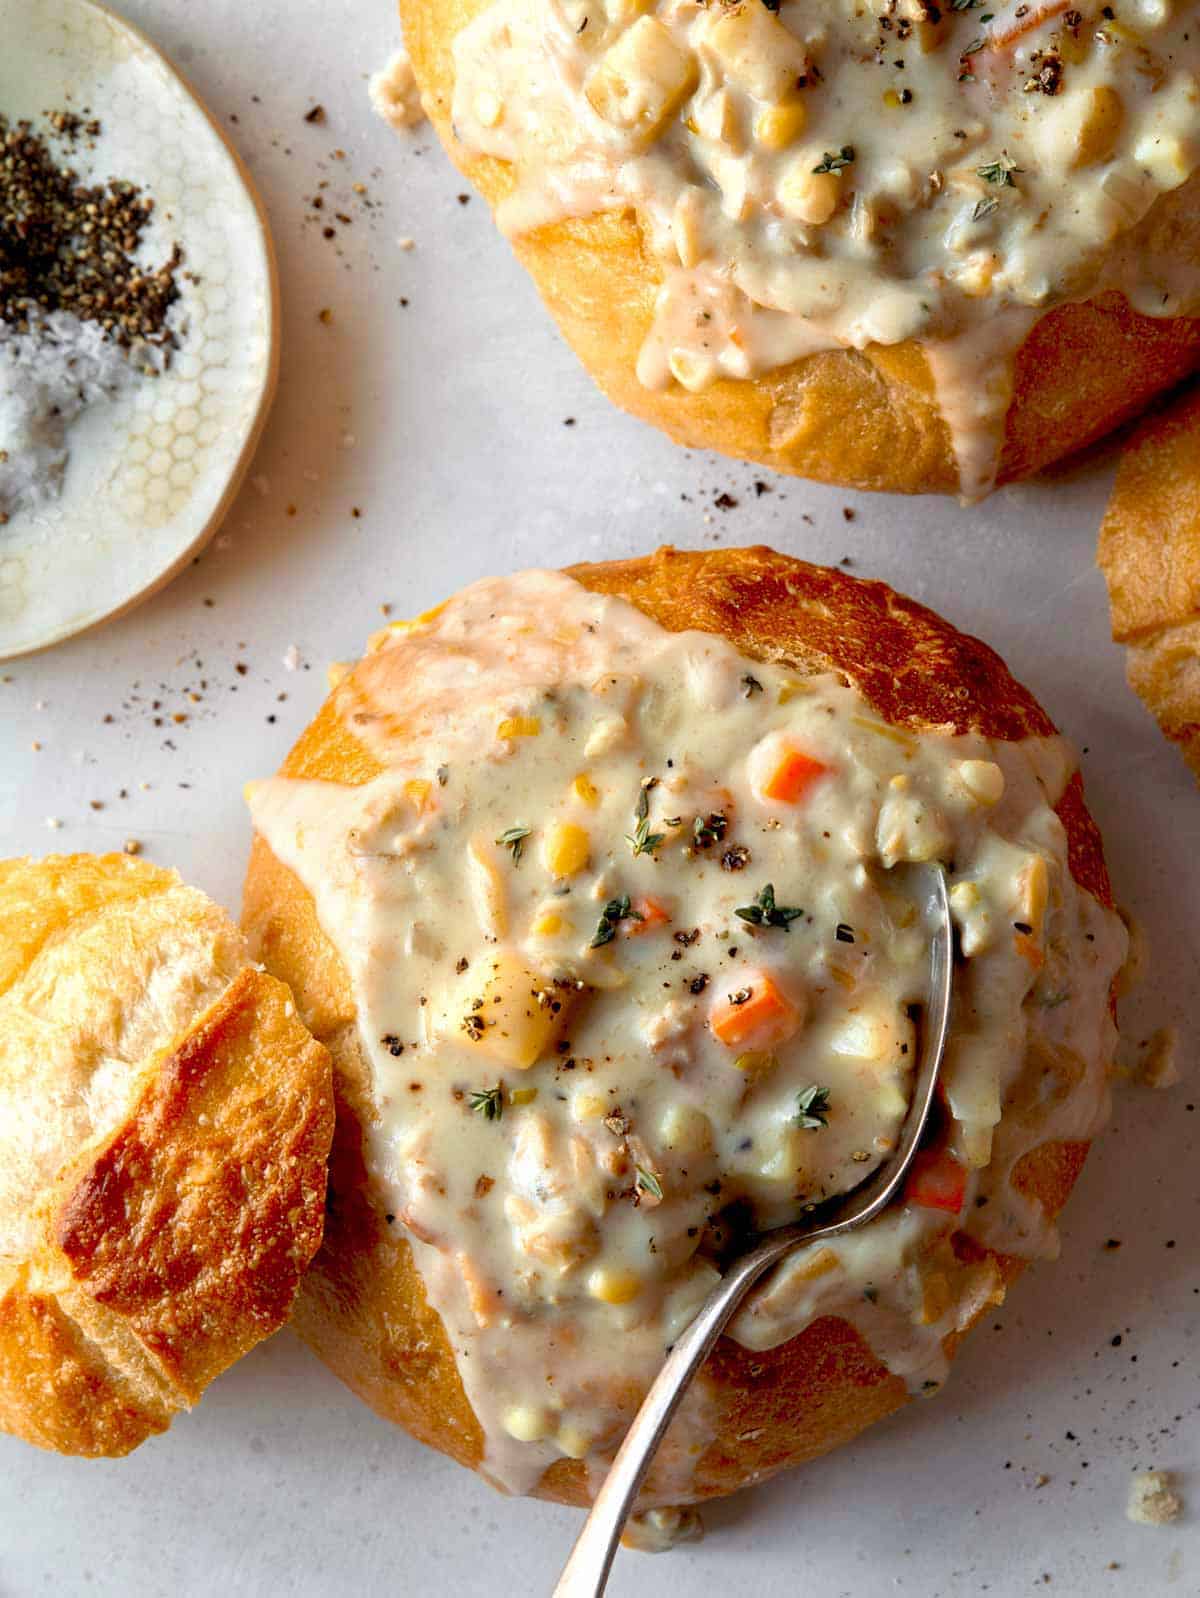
{"points": [[755, 1012], [936, 1181], [653, 913], [792, 777]]}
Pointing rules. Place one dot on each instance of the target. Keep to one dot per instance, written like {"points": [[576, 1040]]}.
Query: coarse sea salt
{"points": [[48, 376]]}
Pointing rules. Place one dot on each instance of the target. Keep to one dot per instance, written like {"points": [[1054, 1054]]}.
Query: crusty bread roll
{"points": [[1150, 556], [869, 419], [363, 1307], [164, 1125]]}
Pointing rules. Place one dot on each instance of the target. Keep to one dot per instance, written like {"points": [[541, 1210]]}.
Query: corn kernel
{"points": [[780, 125], [589, 1106], [548, 924], [964, 896], [814, 1266], [528, 1424], [612, 1286], [756, 1063], [809, 196], [793, 688], [641, 79], [519, 727], [1035, 890], [983, 780], [585, 790], [565, 848], [935, 1298], [522, 1095], [419, 793], [574, 1442]]}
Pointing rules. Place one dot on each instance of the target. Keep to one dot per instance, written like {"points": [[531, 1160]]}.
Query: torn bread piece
{"points": [[165, 1120], [1149, 553]]}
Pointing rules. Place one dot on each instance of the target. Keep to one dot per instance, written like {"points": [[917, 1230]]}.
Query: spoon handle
{"points": [[585, 1574]]}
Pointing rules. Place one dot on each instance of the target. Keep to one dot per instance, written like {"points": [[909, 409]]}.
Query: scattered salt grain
{"points": [[291, 659]]}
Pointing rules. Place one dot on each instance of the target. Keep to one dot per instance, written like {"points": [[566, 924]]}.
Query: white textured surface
{"points": [[443, 422]]}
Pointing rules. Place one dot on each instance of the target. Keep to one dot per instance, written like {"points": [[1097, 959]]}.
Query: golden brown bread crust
{"points": [[362, 1307], [1150, 555], [862, 420], [147, 1259]]}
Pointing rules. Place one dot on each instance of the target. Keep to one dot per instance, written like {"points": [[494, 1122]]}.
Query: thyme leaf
{"points": [[647, 1182], [513, 838], [835, 160], [614, 912], [488, 1102], [812, 1108], [1000, 171]]}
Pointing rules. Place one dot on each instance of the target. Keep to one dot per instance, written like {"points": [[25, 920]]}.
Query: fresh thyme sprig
{"points": [[764, 912], [641, 840], [1000, 171]]}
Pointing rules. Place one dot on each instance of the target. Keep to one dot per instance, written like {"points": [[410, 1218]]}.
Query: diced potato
{"points": [[606, 735], [506, 1011], [750, 45], [641, 79], [566, 848], [808, 196], [622, 12], [519, 727], [781, 125], [1101, 118], [685, 1130], [875, 1035], [612, 1285], [716, 117], [1167, 159]]}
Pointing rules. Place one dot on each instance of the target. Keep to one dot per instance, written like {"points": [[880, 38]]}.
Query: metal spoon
{"points": [[585, 1574]]}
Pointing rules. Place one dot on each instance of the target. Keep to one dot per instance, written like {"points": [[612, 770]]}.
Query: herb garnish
{"points": [[647, 1182], [616, 910], [834, 161], [751, 685], [514, 838], [999, 171], [764, 912], [642, 840], [488, 1102], [812, 1108], [983, 208]]}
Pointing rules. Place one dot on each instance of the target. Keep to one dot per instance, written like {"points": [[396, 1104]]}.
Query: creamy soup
{"points": [[815, 176], [633, 926]]}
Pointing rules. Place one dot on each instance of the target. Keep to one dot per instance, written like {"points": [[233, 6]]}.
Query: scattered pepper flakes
{"points": [[316, 115]]}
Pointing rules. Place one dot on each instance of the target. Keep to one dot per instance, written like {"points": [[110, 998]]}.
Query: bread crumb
{"points": [[394, 93], [1152, 1499], [132, 846], [406, 243]]}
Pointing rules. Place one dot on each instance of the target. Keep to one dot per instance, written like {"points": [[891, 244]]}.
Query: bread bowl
{"points": [[165, 1121], [475, 870], [1149, 553], [927, 293]]}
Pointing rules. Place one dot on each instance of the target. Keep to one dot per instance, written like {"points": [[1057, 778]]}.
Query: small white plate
{"points": [[151, 472]]}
